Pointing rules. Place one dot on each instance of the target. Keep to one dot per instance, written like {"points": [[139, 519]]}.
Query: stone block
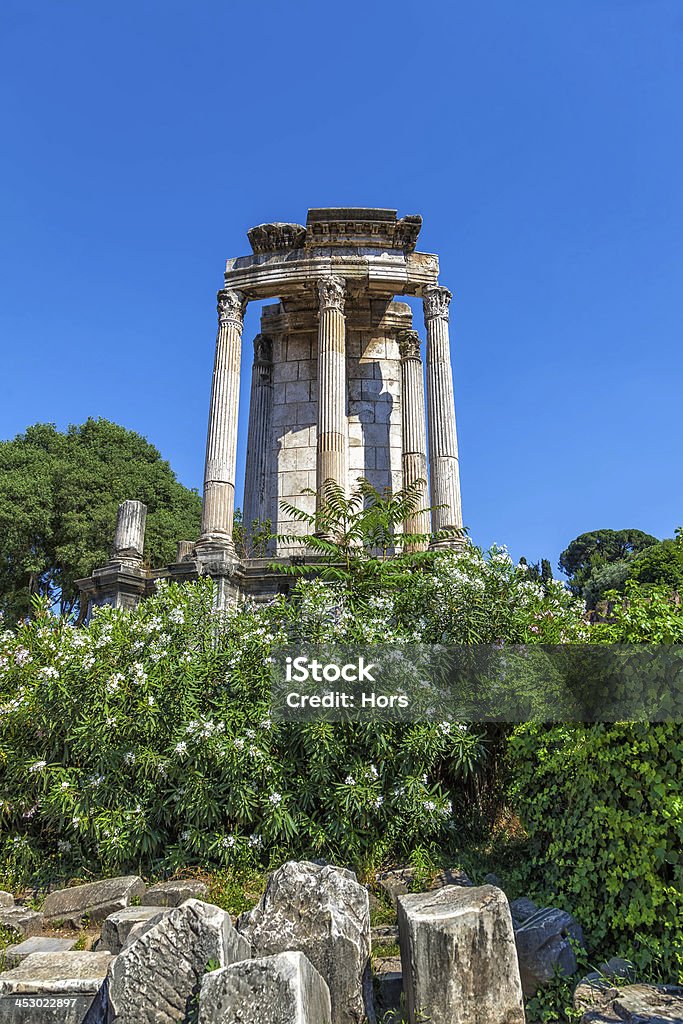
{"points": [[324, 913], [37, 944], [544, 947], [174, 892], [156, 977], [95, 900], [630, 1004], [6, 899], [388, 985], [374, 348], [299, 347], [116, 928], [53, 988], [291, 484], [21, 920], [297, 391], [286, 371], [305, 458], [306, 413], [522, 909], [281, 989], [458, 956]]}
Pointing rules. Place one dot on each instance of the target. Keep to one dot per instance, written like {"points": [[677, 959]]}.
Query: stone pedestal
{"points": [[458, 956]]}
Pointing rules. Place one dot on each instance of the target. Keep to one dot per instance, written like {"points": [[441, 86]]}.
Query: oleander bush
{"points": [[143, 740]]}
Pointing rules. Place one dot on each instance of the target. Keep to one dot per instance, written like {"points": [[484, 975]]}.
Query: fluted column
{"points": [[221, 443], [260, 406], [443, 442], [414, 430], [129, 539], [332, 426]]}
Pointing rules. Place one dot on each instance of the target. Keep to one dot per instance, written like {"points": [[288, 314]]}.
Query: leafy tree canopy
{"points": [[59, 493], [660, 565], [591, 551]]}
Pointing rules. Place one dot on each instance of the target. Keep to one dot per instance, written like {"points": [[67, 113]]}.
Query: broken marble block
{"points": [[117, 927], [94, 901], [603, 1002], [6, 899], [172, 894], [21, 920], [544, 947], [458, 956], [157, 977], [324, 913], [281, 989], [37, 944], [47, 988]]}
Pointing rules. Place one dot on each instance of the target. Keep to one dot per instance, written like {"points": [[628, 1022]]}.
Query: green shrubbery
{"points": [[603, 808], [143, 739]]}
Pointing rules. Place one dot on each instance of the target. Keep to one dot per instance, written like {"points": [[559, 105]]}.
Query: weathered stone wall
{"points": [[373, 379]]}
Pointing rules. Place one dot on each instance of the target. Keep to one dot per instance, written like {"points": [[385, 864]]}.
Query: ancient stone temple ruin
{"points": [[337, 392]]}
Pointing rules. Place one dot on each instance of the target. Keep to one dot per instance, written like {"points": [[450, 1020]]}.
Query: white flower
{"points": [[48, 672], [75, 821], [64, 785], [38, 766], [238, 743], [349, 781], [88, 662], [373, 771], [129, 757], [114, 682], [63, 845], [22, 656], [255, 840], [185, 835], [429, 805], [110, 721], [445, 727], [378, 801], [177, 615], [275, 799], [180, 748], [151, 701]]}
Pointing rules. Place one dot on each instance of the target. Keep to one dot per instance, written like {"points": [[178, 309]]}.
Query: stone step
{"points": [[52, 988], [36, 944]]}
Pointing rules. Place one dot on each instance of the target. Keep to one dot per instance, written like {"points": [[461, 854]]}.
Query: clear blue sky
{"points": [[541, 141]]}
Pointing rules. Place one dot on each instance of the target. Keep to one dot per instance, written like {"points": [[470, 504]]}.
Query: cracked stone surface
{"points": [[324, 913], [155, 979], [458, 956], [50, 987], [117, 927], [281, 989], [95, 900]]}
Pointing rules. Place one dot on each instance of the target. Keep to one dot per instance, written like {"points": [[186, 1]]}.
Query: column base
{"points": [[449, 544]]}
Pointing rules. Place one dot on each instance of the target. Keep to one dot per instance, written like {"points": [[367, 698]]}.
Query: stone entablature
{"points": [[337, 386]]}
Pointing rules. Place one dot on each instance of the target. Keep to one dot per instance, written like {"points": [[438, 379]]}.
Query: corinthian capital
{"points": [[409, 344], [332, 291], [231, 306], [436, 302]]}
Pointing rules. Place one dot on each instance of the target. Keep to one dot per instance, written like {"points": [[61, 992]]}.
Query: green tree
{"points": [[59, 493], [589, 552], [660, 565]]}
